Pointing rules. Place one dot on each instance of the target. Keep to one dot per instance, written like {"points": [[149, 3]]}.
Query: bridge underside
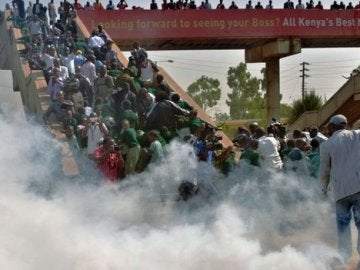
{"points": [[230, 43]]}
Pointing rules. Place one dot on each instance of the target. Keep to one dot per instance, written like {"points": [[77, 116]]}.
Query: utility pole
{"points": [[303, 76]]}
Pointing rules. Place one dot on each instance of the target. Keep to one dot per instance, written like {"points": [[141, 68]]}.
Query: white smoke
{"points": [[254, 221]]}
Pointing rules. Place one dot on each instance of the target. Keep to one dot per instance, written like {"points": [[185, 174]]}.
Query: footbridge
{"points": [[265, 35], [345, 101]]}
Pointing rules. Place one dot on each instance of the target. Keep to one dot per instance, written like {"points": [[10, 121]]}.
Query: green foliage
{"points": [[310, 102], [206, 92], [221, 117], [285, 110], [246, 99]]}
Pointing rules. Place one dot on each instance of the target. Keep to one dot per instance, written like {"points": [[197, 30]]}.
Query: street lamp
{"points": [[165, 61]]}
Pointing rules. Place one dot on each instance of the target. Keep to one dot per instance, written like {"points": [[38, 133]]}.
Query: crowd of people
{"points": [[123, 118], [65, 7], [107, 108]]}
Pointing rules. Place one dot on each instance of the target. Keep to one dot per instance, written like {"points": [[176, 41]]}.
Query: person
{"points": [[38, 10], [192, 4], [127, 113], [334, 6], [269, 5], [122, 5], [220, 5], [71, 139], [52, 11], [233, 5], [79, 59], [77, 5], [207, 5], [85, 87], [300, 5], [253, 126], [297, 160], [29, 10], [268, 150], [310, 4], [164, 113], [289, 4], [251, 155], [55, 84], [94, 130], [249, 5], [129, 138], [138, 53], [36, 26], [339, 166], [315, 134], [319, 5], [123, 93], [180, 102], [109, 160], [155, 150], [147, 70], [69, 120], [58, 108], [88, 6], [95, 43], [314, 156], [153, 5], [104, 85], [98, 5], [63, 70], [110, 54], [259, 6], [76, 96], [110, 5], [21, 8], [89, 70], [350, 6]]}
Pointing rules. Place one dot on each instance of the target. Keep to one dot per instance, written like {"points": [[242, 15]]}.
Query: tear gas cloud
{"points": [[257, 220]]}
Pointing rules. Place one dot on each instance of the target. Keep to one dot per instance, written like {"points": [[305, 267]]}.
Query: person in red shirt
{"points": [[122, 4], [77, 5], [109, 160], [319, 5]]}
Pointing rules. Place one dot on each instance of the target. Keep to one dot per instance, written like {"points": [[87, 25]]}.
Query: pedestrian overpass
{"points": [[265, 35]]}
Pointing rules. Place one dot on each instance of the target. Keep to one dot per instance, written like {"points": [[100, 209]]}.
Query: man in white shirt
{"points": [[268, 150], [89, 70], [95, 43], [339, 164], [94, 130], [63, 71]]}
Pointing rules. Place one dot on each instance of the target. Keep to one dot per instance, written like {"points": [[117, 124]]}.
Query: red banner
{"points": [[138, 24]]}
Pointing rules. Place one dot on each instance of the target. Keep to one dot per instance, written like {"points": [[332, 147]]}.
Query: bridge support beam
{"points": [[274, 49], [272, 74], [271, 53]]}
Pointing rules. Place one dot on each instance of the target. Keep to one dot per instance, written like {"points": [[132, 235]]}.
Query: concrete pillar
{"points": [[272, 89]]}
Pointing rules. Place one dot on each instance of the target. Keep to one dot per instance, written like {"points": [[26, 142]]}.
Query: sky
{"points": [[326, 70], [252, 220]]}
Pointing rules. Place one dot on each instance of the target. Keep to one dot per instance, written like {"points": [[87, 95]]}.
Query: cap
{"points": [[78, 52], [338, 120]]}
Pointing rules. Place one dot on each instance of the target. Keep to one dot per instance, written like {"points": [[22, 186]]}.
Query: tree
{"points": [[205, 92], [310, 102], [222, 117], [246, 99]]}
